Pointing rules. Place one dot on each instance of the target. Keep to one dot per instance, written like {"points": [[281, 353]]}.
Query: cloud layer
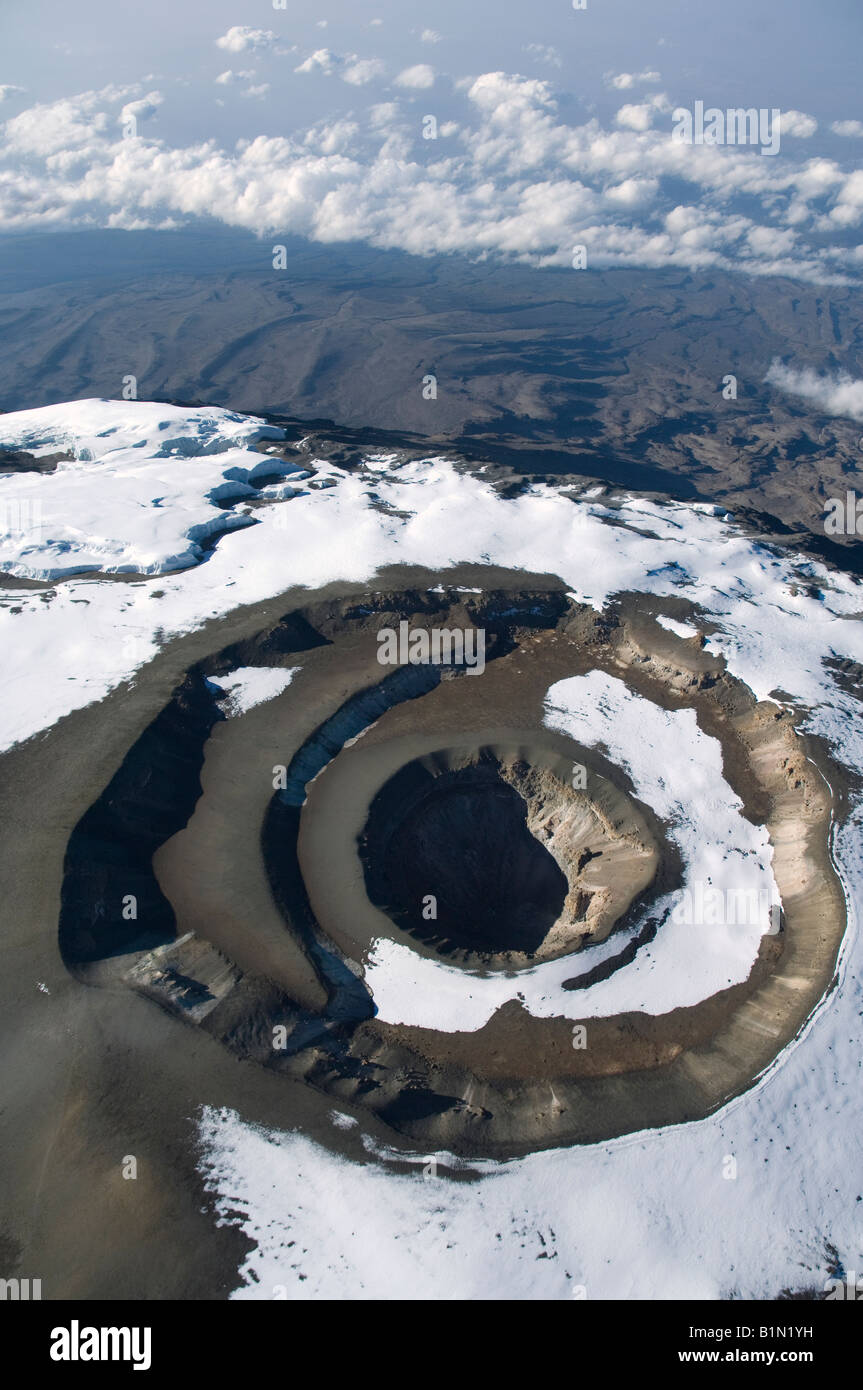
{"points": [[511, 178]]}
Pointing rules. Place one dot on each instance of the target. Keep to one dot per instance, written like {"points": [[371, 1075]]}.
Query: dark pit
{"points": [[451, 859]]}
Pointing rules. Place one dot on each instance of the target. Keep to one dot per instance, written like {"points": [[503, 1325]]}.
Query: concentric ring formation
{"points": [[259, 874]]}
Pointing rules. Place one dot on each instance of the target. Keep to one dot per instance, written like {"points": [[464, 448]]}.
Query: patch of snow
{"points": [[679, 629], [249, 686], [140, 494], [343, 1121]]}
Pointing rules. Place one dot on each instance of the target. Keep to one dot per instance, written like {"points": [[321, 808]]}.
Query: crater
{"points": [[477, 852], [242, 872], [452, 859]]}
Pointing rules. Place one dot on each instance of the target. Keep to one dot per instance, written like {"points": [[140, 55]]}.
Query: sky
{"points": [[494, 129]]}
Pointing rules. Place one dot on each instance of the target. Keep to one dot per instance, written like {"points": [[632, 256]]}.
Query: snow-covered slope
{"points": [[139, 494], [142, 479]]}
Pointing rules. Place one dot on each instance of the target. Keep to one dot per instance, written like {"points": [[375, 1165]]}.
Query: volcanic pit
{"points": [[521, 866]]}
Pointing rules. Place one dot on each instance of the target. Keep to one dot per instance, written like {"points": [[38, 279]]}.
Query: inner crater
{"points": [[492, 856], [460, 858]]}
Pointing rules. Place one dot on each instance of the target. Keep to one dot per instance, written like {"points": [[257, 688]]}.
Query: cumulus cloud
{"points": [[798, 124], [322, 60], [74, 123], [623, 81], [384, 115], [854, 129], [142, 109], [229, 78], [359, 71], [240, 38], [636, 117], [632, 193], [332, 137], [847, 209], [834, 394], [8, 89], [518, 181], [429, 36], [419, 76], [233, 79], [771, 241], [641, 116]]}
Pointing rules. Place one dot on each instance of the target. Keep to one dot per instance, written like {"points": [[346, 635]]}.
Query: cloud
{"points": [[798, 124], [429, 36], [8, 89], [641, 117], [360, 71], [142, 109], [322, 61], [632, 193], [332, 138], [770, 241], [623, 81], [229, 78], [384, 114], [240, 38], [419, 76], [356, 71], [835, 395], [847, 209], [75, 123], [514, 180], [544, 53], [635, 117], [232, 79], [854, 129]]}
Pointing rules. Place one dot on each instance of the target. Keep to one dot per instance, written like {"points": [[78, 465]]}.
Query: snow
{"points": [[80, 639], [97, 429], [249, 686], [679, 629], [140, 494]]}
